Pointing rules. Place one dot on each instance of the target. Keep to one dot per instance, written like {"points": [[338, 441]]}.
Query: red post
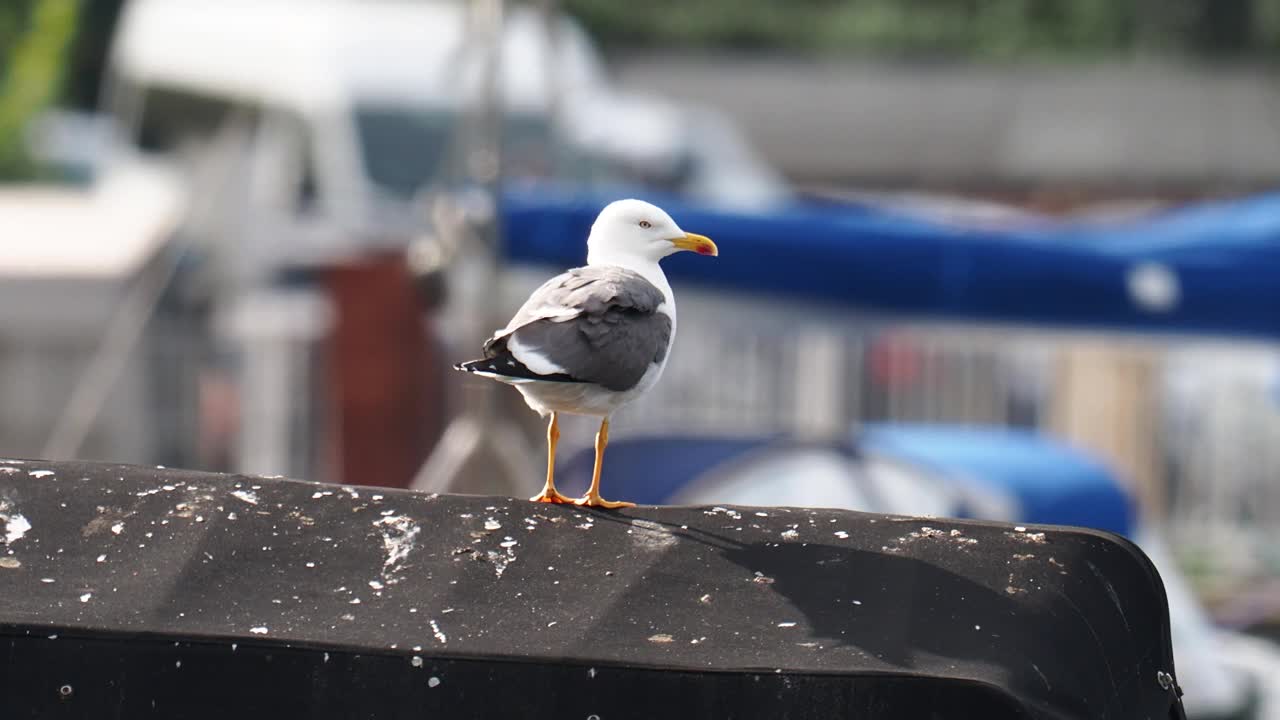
{"points": [[382, 374]]}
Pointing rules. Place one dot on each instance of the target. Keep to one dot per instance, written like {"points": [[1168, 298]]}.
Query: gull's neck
{"points": [[646, 268]]}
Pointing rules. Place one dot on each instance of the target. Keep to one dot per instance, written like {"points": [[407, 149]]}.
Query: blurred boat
{"points": [[342, 111], [69, 256], [696, 153]]}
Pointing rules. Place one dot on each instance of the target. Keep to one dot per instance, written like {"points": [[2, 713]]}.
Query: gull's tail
{"points": [[484, 365], [506, 368]]}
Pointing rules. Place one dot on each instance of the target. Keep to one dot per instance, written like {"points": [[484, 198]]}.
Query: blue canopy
{"points": [[1217, 263], [1051, 482]]}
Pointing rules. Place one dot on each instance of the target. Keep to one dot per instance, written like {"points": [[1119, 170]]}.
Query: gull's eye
{"points": [[645, 224]]}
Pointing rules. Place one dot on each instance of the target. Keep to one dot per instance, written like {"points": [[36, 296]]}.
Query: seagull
{"points": [[594, 338]]}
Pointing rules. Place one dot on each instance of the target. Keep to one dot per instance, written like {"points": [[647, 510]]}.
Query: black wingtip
{"points": [[506, 366]]}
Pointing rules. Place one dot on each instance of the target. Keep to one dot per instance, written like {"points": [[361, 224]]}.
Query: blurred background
{"points": [[1005, 259]]}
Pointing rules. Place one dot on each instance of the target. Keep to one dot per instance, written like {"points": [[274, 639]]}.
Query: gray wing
{"points": [[596, 325]]}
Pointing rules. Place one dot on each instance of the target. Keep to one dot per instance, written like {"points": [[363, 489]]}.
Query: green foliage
{"points": [[34, 51], [955, 28]]}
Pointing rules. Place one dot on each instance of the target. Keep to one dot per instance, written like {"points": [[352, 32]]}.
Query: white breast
{"points": [[581, 398]]}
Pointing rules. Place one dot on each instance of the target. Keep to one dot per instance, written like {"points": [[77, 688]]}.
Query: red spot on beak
{"points": [[696, 243]]}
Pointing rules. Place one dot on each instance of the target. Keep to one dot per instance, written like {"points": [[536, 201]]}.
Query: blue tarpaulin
{"points": [[1051, 482], [1210, 268]]}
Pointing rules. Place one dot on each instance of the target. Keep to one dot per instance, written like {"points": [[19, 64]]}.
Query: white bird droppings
{"points": [[417, 661], [262, 630], [1031, 538], [15, 526], [12, 522], [491, 524], [399, 533], [841, 534], [786, 624], [246, 496], [40, 473], [501, 561], [661, 638], [433, 682], [85, 597], [117, 528], [435, 629]]}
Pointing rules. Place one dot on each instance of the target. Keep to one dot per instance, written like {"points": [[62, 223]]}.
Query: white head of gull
{"points": [[594, 338]]}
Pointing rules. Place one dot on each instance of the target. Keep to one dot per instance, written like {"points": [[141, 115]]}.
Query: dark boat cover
{"points": [[131, 592]]}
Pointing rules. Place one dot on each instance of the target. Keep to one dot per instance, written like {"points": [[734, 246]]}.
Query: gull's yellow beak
{"points": [[700, 244]]}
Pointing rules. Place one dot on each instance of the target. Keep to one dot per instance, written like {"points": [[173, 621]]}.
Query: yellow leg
{"points": [[549, 494], [592, 498]]}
